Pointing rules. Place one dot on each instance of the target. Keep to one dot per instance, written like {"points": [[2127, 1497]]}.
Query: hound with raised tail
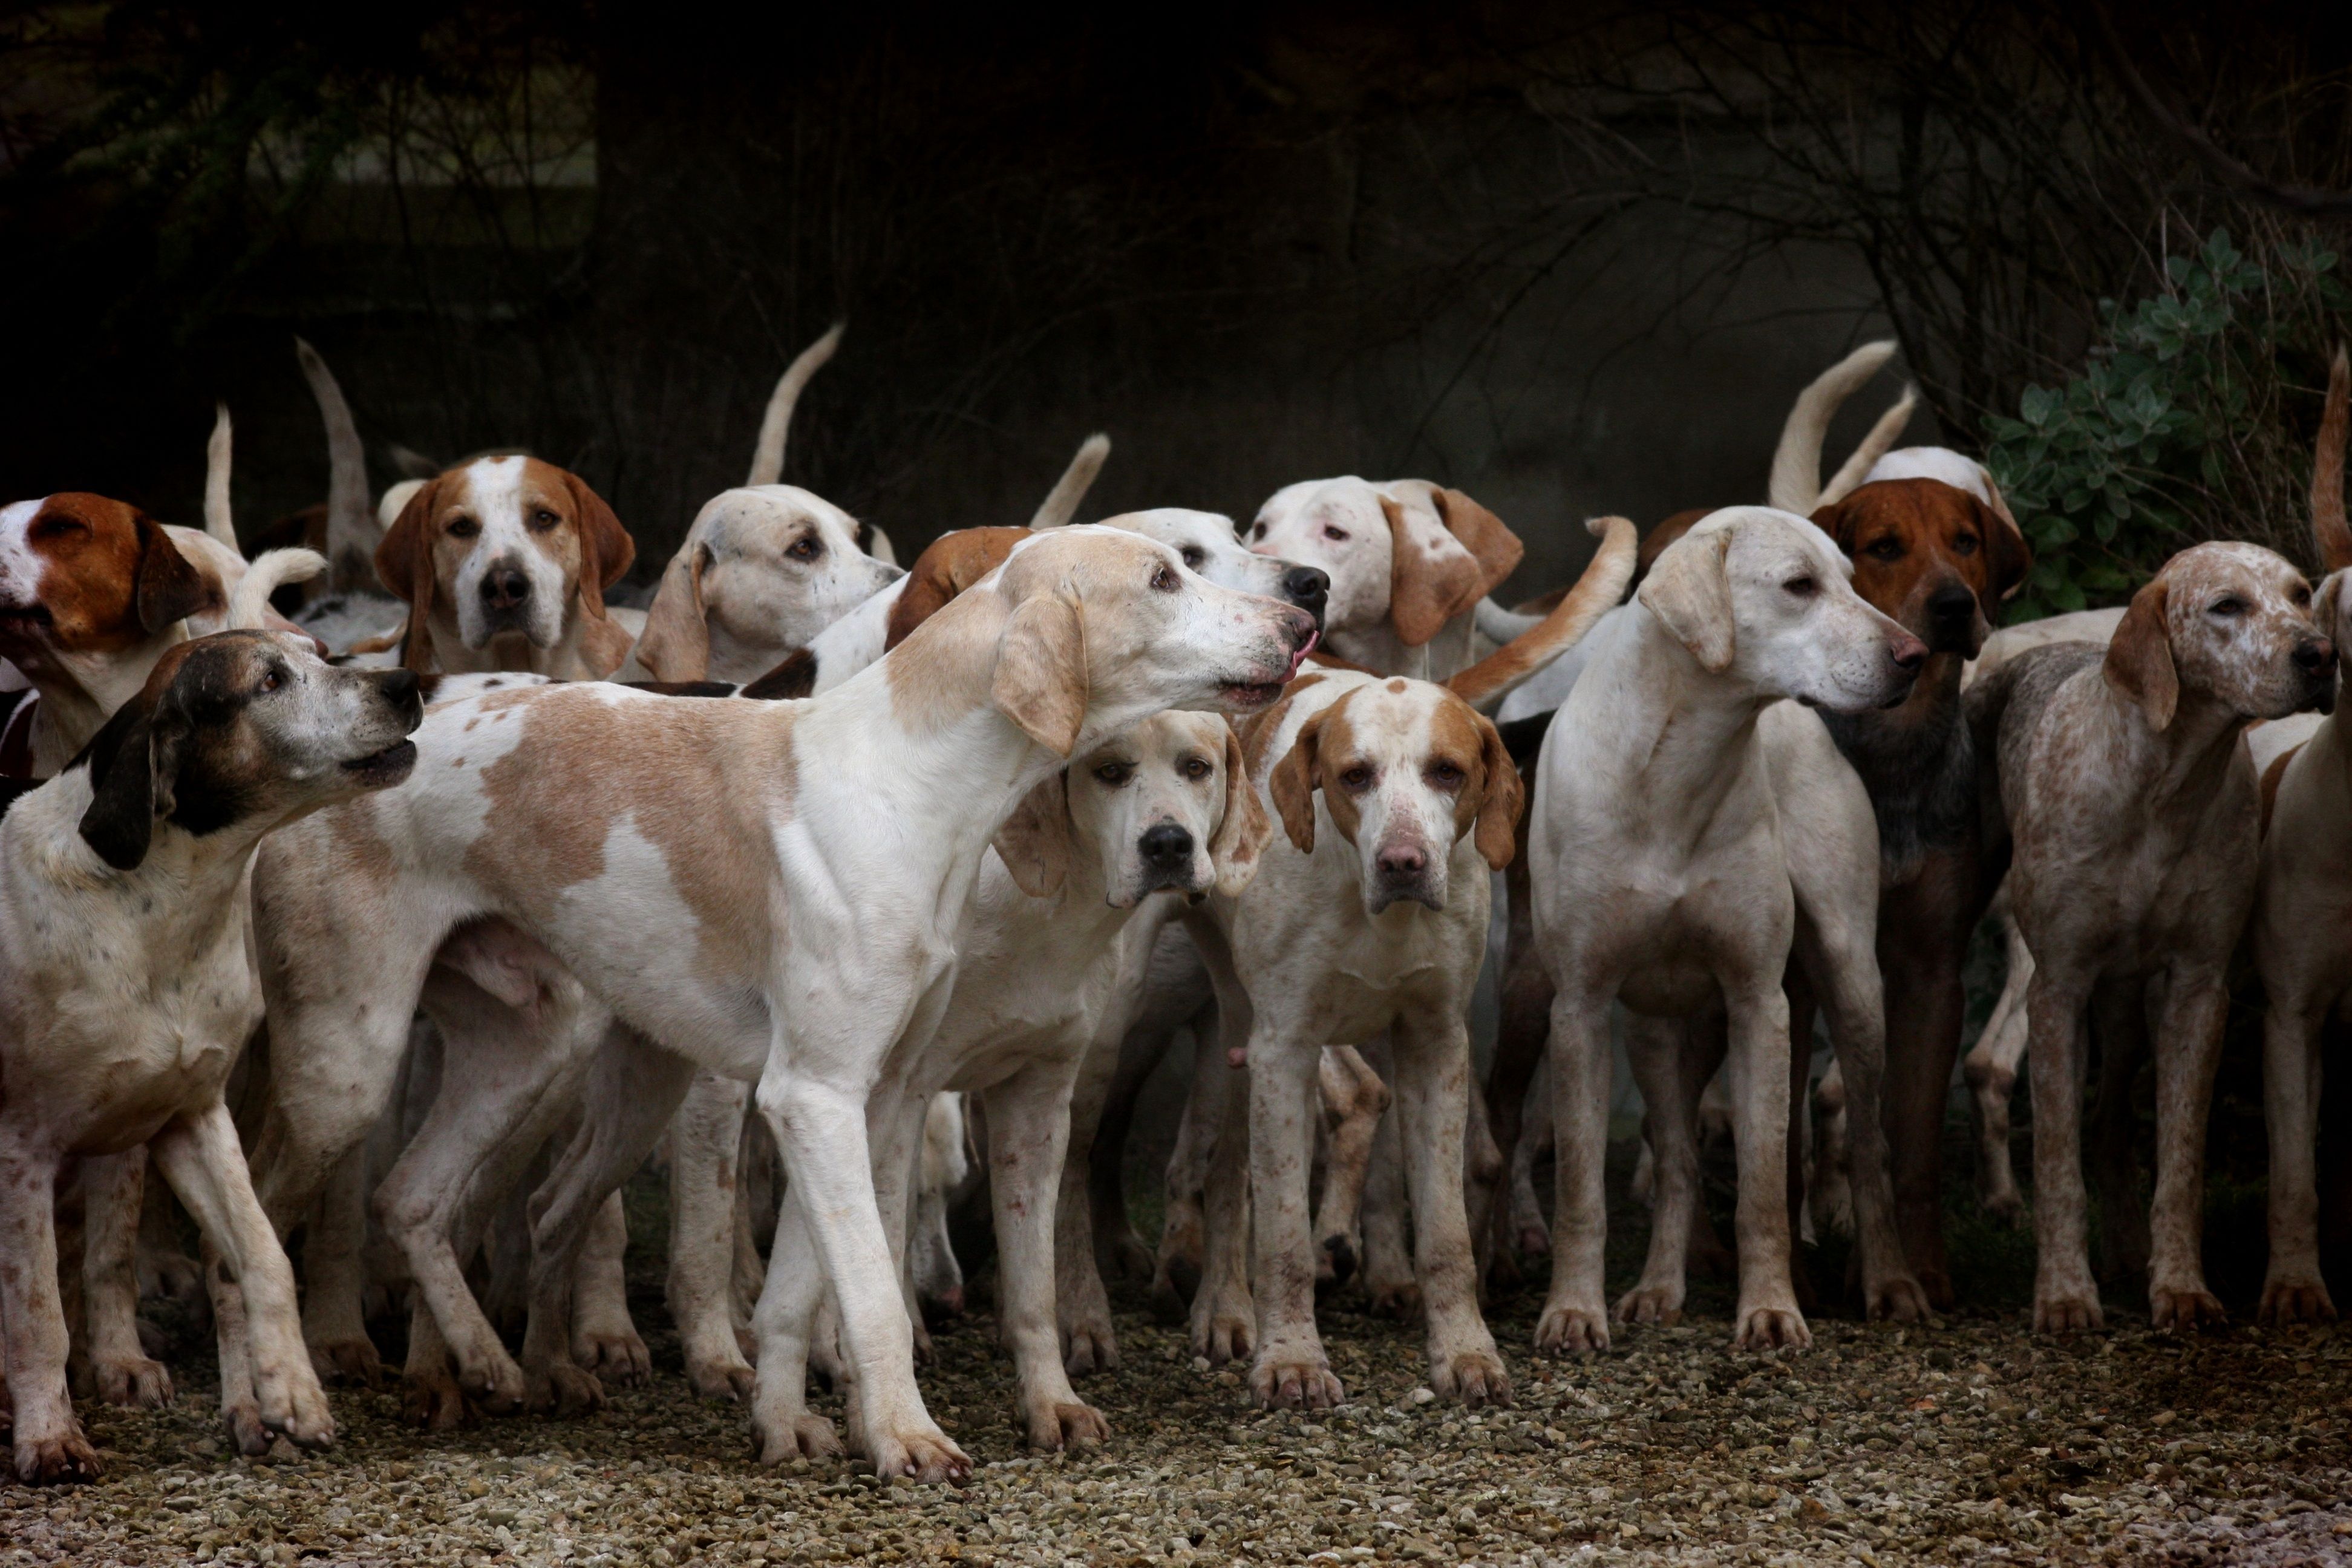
{"points": [[769, 889], [2130, 801], [127, 993], [1684, 818]]}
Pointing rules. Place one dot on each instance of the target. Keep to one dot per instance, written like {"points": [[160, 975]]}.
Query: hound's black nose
{"points": [[504, 587], [1166, 846], [1952, 602], [1306, 586], [401, 687], [2315, 656]]}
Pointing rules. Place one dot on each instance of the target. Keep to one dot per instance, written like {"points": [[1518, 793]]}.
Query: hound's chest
{"points": [[125, 1054]]}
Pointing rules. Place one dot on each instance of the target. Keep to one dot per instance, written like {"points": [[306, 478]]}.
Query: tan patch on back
{"points": [[678, 768], [942, 671]]}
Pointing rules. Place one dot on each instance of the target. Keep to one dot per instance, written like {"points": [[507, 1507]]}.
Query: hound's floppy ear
{"points": [[1836, 521], [1041, 672], [675, 643], [1034, 841], [1689, 590], [1241, 833], [606, 551], [1503, 798], [2140, 656], [1294, 780], [2328, 603], [165, 588], [133, 762], [2007, 557], [1432, 578], [404, 564], [1493, 546]]}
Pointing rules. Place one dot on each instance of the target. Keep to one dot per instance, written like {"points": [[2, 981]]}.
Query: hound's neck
{"points": [[80, 692], [2184, 761], [185, 888], [1681, 733]]}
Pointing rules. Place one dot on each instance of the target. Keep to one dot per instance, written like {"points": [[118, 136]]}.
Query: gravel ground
{"points": [[1970, 1441]]}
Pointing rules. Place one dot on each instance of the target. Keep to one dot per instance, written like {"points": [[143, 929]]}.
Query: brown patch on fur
{"points": [[953, 562], [674, 767], [1301, 773], [1910, 538], [1492, 795], [418, 558], [1656, 543], [1243, 829], [1425, 590], [1258, 729], [1594, 594], [1493, 545], [111, 577], [944, 670], [2139, 656]]}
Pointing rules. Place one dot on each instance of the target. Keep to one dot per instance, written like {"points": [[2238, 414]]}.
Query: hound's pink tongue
{"points": [[1314, 640], [1237, 1055]]}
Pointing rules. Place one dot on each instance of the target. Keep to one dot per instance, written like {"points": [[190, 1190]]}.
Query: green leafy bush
{"points": [[2177, 429]]}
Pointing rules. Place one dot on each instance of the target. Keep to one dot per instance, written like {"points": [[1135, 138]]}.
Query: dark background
{"points": [[1572, 258]]}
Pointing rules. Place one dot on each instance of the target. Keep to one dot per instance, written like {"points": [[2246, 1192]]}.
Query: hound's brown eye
{"points": [[464, 528], [2228, 607], [1886, 549], [1164, 580], [1113, 775], [542, 520], [57, 527], [2302, 594], [270, 681], [1331, 532], [1194, 555], [1965, 545], [805, 548], [1803, 587], [1197, 768], [1445, 775], [1357, 778], [1259, 532]]}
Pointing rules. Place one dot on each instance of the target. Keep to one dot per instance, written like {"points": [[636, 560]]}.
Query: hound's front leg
{"points": [[1028, 1136], [1758, 1066], [1853, 998], [1653, 1050], [2293, 1290], [821, 1129], [1291, 1370], [111, 1188], [1080, 1303], [1575, 1315], [200, 1157], [704, 1139], [334, 1277], [2066, 1296], [2187, 1050], [1431, 1056], [784, 1320], [49, 1444]]}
